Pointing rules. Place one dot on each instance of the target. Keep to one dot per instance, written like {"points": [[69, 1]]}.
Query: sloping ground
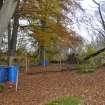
{"points": [[39, 88]]}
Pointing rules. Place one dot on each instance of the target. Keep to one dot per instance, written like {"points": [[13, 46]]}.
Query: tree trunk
{"points": [[1, 3], [41, 54], [9, 39], [9, 36], [94, 54], [12, 40], [6, 12]]}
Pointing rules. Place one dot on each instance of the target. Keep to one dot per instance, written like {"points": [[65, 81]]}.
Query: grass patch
{"points": [[86, 68], [1, 88], [66, 101]]}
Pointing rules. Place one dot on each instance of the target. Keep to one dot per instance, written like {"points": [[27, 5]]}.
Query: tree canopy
{"points": [[48, 19]]}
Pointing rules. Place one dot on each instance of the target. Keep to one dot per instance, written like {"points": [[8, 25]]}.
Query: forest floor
{"points": [[37, 88]]}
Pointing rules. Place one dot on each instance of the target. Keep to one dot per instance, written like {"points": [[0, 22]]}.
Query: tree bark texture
{"points": [[6, 12], [1, 3], [12, 39]]}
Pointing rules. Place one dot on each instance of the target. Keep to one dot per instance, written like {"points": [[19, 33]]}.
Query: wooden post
{"points": [[17, 80], [26, 60], [44, 58], [60, 63], [38, 57]]}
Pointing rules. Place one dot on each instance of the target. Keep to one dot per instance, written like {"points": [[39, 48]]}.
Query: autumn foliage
{"points": [[47, 21]]}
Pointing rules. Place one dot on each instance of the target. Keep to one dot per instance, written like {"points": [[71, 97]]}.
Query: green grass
{"points": [[85, 68], [66, 101], [1, 88]]}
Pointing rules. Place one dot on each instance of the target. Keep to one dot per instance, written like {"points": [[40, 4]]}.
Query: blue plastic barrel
{"points": [[6, 74], [3, 74], [44, 63], [12, 74]]}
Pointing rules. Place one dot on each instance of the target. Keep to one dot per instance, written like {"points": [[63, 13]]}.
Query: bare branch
{"points": [[96, 2]]}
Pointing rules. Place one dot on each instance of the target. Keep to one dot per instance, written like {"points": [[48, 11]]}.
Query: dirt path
{"points": [[39, 88]]}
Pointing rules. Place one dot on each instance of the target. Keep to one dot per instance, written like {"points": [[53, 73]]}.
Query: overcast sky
{"points": [[90, 7]]}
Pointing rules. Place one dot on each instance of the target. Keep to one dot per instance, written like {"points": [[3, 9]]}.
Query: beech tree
{"points": [[49, 21], [50, 14]]}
